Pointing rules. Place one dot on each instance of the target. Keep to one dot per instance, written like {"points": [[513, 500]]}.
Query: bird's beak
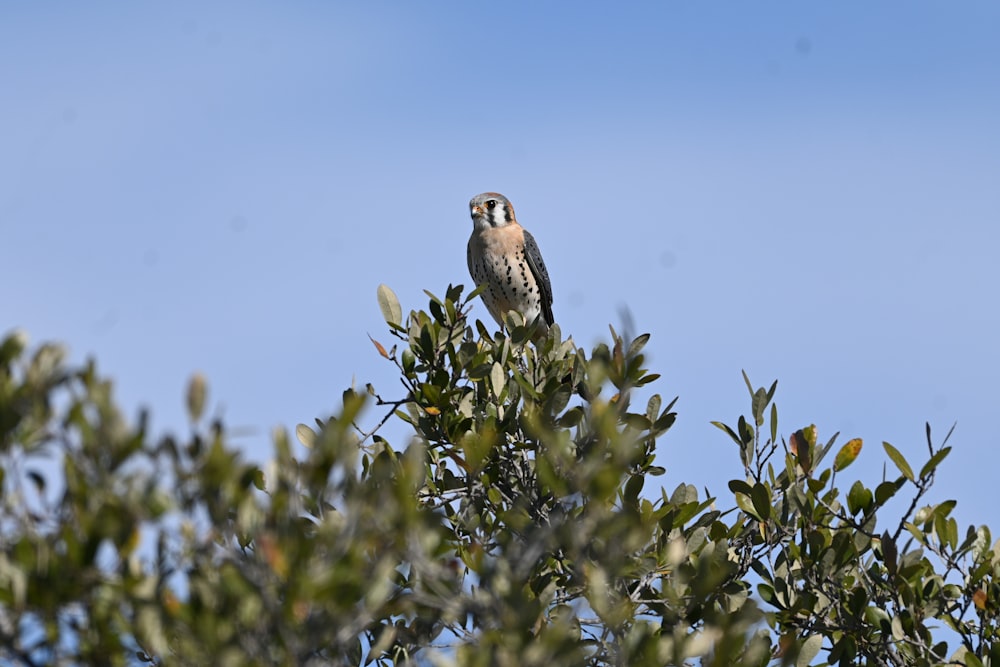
{"points": [[477, 210]]}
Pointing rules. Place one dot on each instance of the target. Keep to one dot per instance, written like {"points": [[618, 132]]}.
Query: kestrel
{"points": [[504, 256]]}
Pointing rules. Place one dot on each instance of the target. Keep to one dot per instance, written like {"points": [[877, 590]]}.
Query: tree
{"points": [[520, 525]]}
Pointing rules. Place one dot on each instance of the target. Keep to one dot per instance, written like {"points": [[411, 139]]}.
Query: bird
{"points": [[503, 256]]}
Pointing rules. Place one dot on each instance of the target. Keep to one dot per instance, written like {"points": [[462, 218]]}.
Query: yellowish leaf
{"points": [[170, 602], [273, 555], [197, 391], [847, 454]]}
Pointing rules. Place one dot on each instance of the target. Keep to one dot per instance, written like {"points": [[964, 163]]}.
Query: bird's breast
{"points": [[497, 259]]}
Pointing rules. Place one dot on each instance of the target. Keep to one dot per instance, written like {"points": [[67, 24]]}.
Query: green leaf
{"points": [[898, 459], [843, 651], [739, 486], [761, 501], [890, 554], [683, 494], [197, 392], [12, 346], [774, 421], [972, 661], [388, 303], [746, 431], [638, 344], [409, 361], [646, 379], [886, 490], [945, 508], [745, 504], [306, 435], [437, 311], [653, 406], [897, 628], [766, 594], [934, 461], [632, 489], [729, 431], [664, 422], [636, 421], [758, 405], [810, 649], [258, 480], [859, 498], [498, 379], [877, 616]]}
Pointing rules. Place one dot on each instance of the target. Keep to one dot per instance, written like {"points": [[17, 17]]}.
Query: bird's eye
{"points": [[491, 204]]}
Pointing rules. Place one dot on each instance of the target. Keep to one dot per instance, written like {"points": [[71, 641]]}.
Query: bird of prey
{"points": [[504, 256]]}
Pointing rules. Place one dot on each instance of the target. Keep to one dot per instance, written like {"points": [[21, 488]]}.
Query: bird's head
{"points": [[491, 209]]}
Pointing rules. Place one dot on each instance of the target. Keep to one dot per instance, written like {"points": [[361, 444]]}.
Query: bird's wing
{"points": [[537, 266]]}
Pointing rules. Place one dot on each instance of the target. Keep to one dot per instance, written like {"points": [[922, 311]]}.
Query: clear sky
{"points": [[808, 191]]}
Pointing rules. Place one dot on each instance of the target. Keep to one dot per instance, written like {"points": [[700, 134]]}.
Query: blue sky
{"points": [[808, 191]]}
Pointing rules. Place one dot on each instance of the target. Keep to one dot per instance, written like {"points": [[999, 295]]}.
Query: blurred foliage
{"points": [[521, 524]]}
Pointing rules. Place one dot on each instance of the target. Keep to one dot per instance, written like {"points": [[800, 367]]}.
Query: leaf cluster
{"points": [[520, 523]]}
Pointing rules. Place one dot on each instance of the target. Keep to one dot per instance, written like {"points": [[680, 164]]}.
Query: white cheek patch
{"points": [[498, 215]]}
